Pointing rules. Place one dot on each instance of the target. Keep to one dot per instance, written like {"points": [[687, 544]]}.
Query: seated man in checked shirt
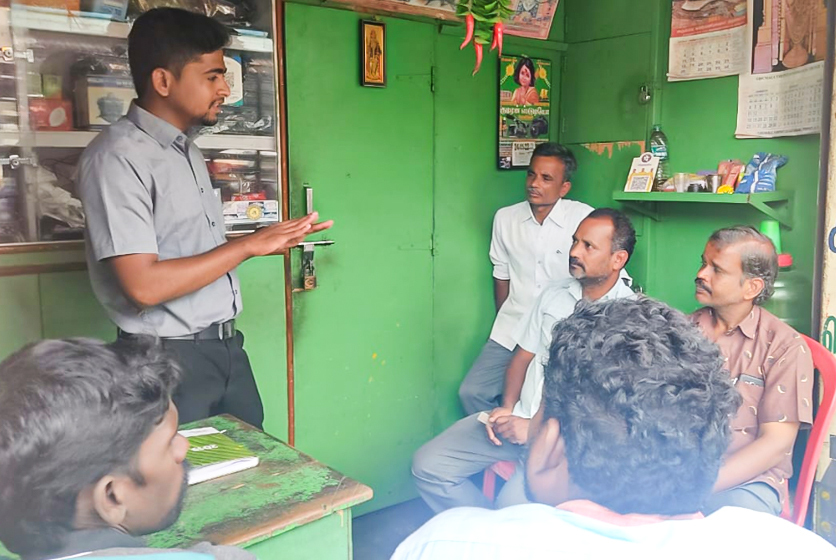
{"points": [[768, 361]]}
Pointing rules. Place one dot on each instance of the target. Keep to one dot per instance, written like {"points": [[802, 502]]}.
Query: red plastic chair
{"points": [[503, 469], [825, 363]]}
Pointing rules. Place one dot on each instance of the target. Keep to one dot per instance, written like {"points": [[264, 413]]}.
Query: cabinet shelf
{"points": [[80, 139], [87, 24], [775, 205]]}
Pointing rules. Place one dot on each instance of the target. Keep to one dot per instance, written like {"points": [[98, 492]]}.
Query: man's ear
{"points": [[161, 81], [752, 287], [547, 470], [619, 260], [565, 188], [109, 499]]}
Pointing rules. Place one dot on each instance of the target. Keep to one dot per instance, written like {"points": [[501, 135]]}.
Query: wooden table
{"points": [[289, 507]]}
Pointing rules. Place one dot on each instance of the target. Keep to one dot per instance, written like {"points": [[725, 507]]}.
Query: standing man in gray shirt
{"points": [[157, 252]]}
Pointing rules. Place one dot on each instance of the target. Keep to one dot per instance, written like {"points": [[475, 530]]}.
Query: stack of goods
{"points": [[247, 198], [242, 112], [261, 71]]}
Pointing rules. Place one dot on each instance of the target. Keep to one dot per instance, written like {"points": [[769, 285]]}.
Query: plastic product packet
{"points": [[761, 173], [236, 13]]}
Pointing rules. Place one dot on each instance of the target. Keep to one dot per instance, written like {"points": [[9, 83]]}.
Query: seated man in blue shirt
{"points": [[89, 451], [623, 452]]}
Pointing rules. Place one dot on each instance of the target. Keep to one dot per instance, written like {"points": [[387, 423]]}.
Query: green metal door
{"points": [[363, 337]]}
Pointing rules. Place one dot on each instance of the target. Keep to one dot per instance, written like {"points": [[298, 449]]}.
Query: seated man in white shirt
{"points": [[530, 245], [601, 247], [623, 452]]}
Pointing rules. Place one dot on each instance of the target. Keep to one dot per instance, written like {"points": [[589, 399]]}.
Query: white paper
{"points": [[784, 103]]}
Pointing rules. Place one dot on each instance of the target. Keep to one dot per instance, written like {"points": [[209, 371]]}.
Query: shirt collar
{"points": [[555, 215], [163, 132], [91, 540], [588, 508], [619, 290], [747, 326]]}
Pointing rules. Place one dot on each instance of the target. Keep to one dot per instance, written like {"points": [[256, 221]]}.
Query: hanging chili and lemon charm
{"points": [[483, 25]]}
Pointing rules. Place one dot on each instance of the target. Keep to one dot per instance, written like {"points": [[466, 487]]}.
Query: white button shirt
{"points": [[534, 333], [531, 256]]}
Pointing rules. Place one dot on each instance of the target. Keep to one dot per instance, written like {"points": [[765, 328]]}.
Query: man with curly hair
{"points": [[626, 444], [768, 362]]}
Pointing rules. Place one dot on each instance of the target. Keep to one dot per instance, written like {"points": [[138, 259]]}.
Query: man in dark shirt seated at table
{"points": [[89, 451], [623, 452]]}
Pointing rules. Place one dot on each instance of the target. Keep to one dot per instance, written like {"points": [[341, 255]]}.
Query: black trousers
{"points": [[217, 379]]}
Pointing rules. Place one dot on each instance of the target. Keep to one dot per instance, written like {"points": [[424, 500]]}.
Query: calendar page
{"points": [[708, 39], [785, 103]]}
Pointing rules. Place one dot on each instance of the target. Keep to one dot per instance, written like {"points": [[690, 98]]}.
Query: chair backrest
{"points": [[825, 363]]}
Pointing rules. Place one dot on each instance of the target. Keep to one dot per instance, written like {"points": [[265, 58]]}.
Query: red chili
{"points": [[478, 48], [494, 40], [469, 23], [498, 31]]}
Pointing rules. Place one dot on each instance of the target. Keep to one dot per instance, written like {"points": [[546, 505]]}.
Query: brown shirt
{"points": [[773, 371]]}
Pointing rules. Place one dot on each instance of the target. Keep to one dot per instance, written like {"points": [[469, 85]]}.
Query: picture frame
{"points": [[372, 53]]}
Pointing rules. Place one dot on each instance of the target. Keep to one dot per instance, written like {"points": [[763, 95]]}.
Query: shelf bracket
{"points": [[645, 209], [780, 212]]}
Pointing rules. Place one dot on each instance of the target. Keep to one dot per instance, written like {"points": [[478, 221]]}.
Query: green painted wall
{"points": [[607, 61], [383, 342]]}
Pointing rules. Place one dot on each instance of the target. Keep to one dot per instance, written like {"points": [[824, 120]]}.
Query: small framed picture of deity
{"points": [[373, 50]]}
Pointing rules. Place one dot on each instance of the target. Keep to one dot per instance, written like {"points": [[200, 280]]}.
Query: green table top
{"points": [[287, 489]]}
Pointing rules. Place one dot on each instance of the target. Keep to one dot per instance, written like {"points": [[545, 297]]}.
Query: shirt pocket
{"points": [[750, 387], [557, 259]]}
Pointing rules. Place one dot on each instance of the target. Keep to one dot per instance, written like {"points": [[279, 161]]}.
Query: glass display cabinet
{"points": [[64, 76]]}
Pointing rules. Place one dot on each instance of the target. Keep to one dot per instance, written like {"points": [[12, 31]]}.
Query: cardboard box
{"points": [[50, 114], [102, 100]]}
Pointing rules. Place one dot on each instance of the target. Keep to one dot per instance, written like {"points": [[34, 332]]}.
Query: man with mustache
{"points": [[622, 453], [530, 246], [601, 247], [768, 361], [156, 245], [89, 449]]}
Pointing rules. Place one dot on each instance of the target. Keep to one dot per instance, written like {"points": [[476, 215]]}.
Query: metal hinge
{"points": [[9, 54], [15, 161], [432, 79]]}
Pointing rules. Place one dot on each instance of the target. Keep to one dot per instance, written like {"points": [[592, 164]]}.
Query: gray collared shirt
{"points": [[146, 189]]}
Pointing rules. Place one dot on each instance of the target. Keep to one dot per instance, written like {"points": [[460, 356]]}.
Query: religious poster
{"points": [[780, 94], [530, 18], [524, 103], [708, 39]]}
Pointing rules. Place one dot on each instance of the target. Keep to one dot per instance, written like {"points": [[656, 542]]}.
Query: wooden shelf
{"points": [[87, 24], [775, 205], [80, 139]]}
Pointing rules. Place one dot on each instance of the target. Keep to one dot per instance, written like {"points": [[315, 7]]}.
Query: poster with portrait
{"points": [[524, 108], [708, 39]]}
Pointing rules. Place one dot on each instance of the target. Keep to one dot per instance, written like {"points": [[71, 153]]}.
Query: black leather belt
{"points": [[215, 331]]}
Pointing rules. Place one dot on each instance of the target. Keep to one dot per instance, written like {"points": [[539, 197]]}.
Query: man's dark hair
{"points": [[643, 404], [758, 258], [170, 38], [561, 152], [524, 62], [71, 412], [624, 235]]}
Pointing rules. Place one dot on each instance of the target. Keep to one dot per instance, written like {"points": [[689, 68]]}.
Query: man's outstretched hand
{"points": [[280, 237]]}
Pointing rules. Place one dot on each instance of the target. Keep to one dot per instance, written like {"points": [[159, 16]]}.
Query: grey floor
{"points": [[377, 534]]}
